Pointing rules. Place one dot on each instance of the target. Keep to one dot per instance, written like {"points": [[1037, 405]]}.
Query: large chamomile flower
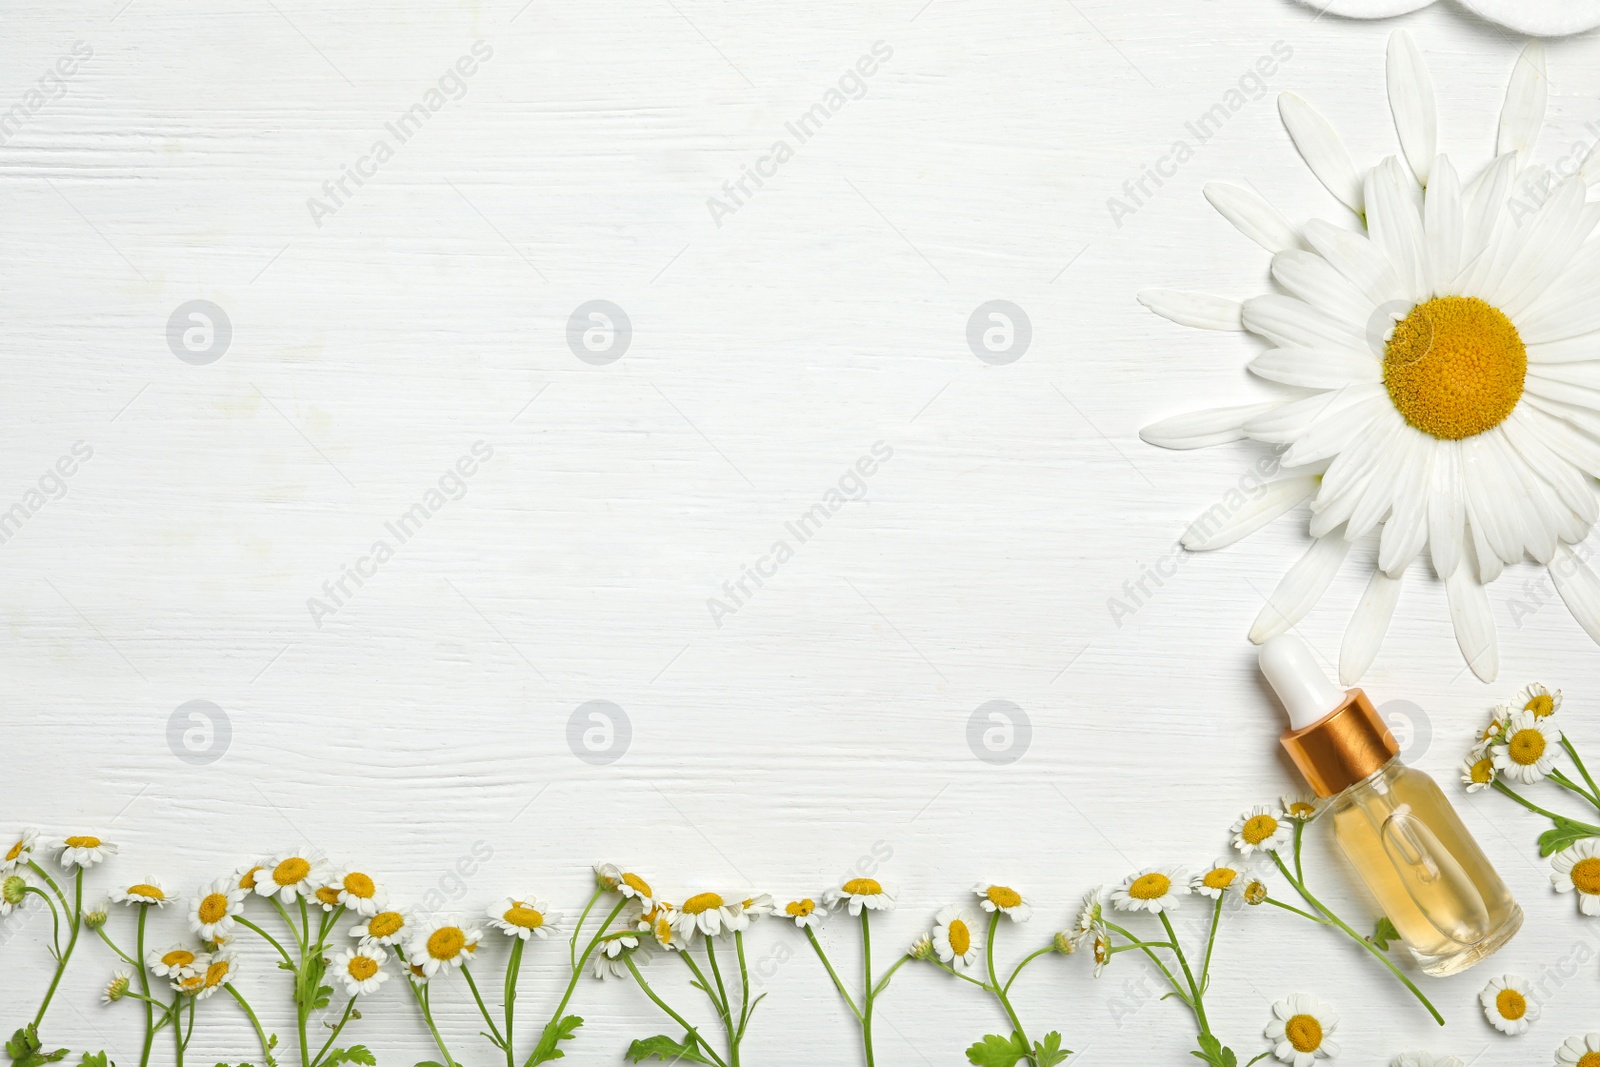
{"points": [[1155, 890], [1299, 1030], [1545, 18], [1530, 748], [523, 919], [952, 938], [215, 907], [1442, 365], [290, 876], [1576, 869], [1509, 1005]]}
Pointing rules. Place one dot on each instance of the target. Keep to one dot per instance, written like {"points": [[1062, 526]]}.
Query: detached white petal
{"points": [[1200, 429], [1368, 626], [1523, 114], [1473, 621], [1199, 310], [1416, 112], [1319, 145], [1301, 588], [1220, 527], [1253, 217], [1579, 589]]}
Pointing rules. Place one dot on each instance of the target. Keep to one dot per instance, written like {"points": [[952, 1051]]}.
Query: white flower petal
{"points": [[1552, 239], [1488, 196], [1355, 257], [1213, 530], [1416, 113], [1473, 621], [1199, 310], [1331, 436], [1367, 628], [1523, 114], [1406, 531], [1570, 307], [1253, 217], [1446, 510], [1317, 368], [1444, 221], [1563, 475], [1488, 501], [1568, 350], [1284, 423], [1365, 9], [1403, 456], [1200, 429], [1319, 145], [1579, 589], [1301, 588], [1395, 225], [1561, 436], [1314, 280], [1291, 323]]}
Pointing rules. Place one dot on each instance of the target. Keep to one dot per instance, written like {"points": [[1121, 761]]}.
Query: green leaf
{"points": [[1384, 933], [353, 1054], [95, 1059], [1048, 1053], [1213, 1052], [1565, 834], [26, 1050], [556, 1031], [997, 1051], [430, 1063], [662, 1047]]}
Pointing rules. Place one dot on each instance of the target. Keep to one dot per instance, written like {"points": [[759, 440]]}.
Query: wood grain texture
{"points": [[828, 714]]}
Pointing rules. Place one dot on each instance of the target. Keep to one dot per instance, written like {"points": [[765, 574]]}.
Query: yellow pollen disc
{"points": [[446, 943], [1304, 1033], [385, 924], [291, 871], [1221, 878], [359, 885], [247, 880], [1102, 949], [16, 850], [1002, 897], [960, 937], [416, 970], [328, 895], [178, 957], [1483, 771], [213, 908], [800, 908], [1455, 367], [862, 887], [83, 842], [1541, 705], [1149, 887], [1589, 1059], [1255, 892], [639, 885], [143, 890], [1259, 828], [190, 985], [1526, 746], [701, 902], [362, 967], [663, 931], [216, 973], [1511, 1004], [1586, 876], [520, 914], [1301, 810]]}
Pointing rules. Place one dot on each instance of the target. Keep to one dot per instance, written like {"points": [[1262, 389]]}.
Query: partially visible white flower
{"points": [[1003, 899], [860, 893], [1530, 748], [1579, 1051], [1301, 806], [20, 851], [1091, 915], [214, 908], [179, 961], [611, 956], [148, 891], [1155, 890], [706, 913], [83, 851], [1577, 868], [357, 891], [1537, 699], [361, 971], [953, 938], [221, 970], [1216, 880], [13, 891], [805, 913], [523, 918], [387, 928], [1299, 1030], [290, 876], [1425, 1059], [1262, 827], [117, 988], [442, 946], [630, 885], [1548, 18], [1509, 1005], [1477, 772]]}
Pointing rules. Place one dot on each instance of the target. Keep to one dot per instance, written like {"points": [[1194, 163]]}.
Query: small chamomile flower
{"points": [[83, 851], [1262, 827], [1155, 890], [1102, 950], [97, 914], [1301, 806], [523, 918], [326, 897], [13, 891], [148, 891], [117, 988], [1425, 1059], [1252, 890], [19, 852], [1216, 881], [443, 946], [1537, 699], [705, 913], [416, 975], [953, 939], [610, 958], [805, 914], [1579, 1052], [249, 876], [290, 876], [1477, 772], [1003, 899], [1299, 1030], [357, 891], [1091, 915], [214, 908], [922, 948], [387, 928], [361, 971], [1509, 1005], [179, 961], [750, 908], [661, 922], [860, 893], [630, 885], [219, 971], [1577, 868], [1529, 749]]}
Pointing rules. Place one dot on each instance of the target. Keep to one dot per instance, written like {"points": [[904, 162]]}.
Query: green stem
{"points": [[1291, 908], [869, 993], [947, 969], [420, 995], [1531, 806], [261, 1035], [689, 1031], [483, 1009], [994, 985], [1567, 783], [55, 918], [1211, 944], [513, 972], [326, 1045], [744, 985], [1577, 762], [74, 925], [724, 1007], [577, 967], [883, 982], [1029, 958], [1147, 948], [144, 982], [247, 924], [1299, 838], [837, 984], [1188, 975], [572, 952]]}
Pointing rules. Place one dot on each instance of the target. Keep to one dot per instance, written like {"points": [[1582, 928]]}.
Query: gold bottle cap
{"points": [[1342, 747]]}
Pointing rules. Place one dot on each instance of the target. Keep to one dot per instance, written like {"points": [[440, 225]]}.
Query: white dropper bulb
{"points": [[1304, 690]]}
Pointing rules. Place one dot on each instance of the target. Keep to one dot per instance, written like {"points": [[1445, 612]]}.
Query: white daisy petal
{"points": [[1473, 619], [1364, 635], [1569, 308], [1567, 350], [1405, 455], [1579, 588], [1332, 435], [1287, 422], [1271, 501], [1523, 114], [1563, 439], [1395, 225], [1416, 113], [1199, 310], [1300, 588], [1253, 217], [1201, 429], [1553, 238], [1291, 323], [1314, 280], [1442, 219], [1490, 192], [1319, 145], [1317, 368], [1406, 531], [1549, 18], [1355, 257], [1446, 510]]}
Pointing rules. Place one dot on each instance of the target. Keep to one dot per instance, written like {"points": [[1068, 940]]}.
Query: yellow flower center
{"points": [[1526, 746], [1255, 892], [178, 957], [1586, 875], [1150, 887], [1003, 897], [385, 924], [446, 943], [362, 967], [291, 871], [1304, 1033], [1301, 810], [519, 914], [637, 884], [1541, 705], [1221, 878], [960, 937], [1511, 1004], [213, 908], [150, 891], [862, 887], [800, 908], [663, 932], [701, 902], [328, 895], [16, 850], [1102, 950], [1483, 771], [1259, 828], [1455, 367], [359, 885], [83, 842], [216, 973], [1589, 1059], [247, 880]]}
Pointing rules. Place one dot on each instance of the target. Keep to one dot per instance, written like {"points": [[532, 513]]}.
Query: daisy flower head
{"points": [[1425, 1059], [249, 875], [361, 971], [1530, 748], [1003, 899], [805, 914], [97, 914], [83, 851], [750, 908], [1301, 807], [416, 975], [1579, 1052], [290, 876], [220, 970], [179, 961], [388, 928], [1436, 365], [630, 885], [442, 946], [357, 891], [1577, 868], [214, 908], [954, 942], [1477, 772], [1261, 828], [1091, 915], [148, 891], [1509, 1005], [117, 988], [706, 913], [1216, 880], [1252, 891], [662, 923], [1537, 699], [1101, 944], [610, 958], [860, 893], [13, 891], [1155, 890], [523, 919], [1299, 1030], [1494, 731], [922, 948], [19, 851]]}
